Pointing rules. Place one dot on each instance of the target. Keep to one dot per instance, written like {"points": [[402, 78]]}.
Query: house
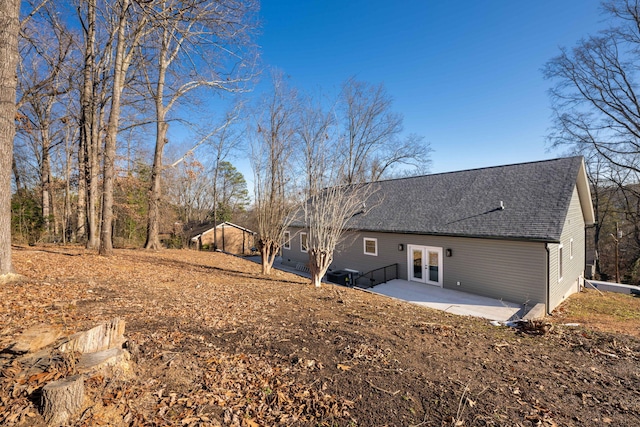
{"points": [[514, 232], [231, 238]]}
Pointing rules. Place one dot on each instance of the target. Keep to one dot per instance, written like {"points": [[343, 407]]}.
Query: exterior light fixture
{"points": [[401, 247], [449, 252]]}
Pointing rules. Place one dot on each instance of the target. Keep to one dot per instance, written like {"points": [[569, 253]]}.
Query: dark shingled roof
{"points": [[535, 195]]}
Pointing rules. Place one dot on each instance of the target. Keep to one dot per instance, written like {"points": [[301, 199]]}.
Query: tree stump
{"points": [[102, 337], [62, 399]]}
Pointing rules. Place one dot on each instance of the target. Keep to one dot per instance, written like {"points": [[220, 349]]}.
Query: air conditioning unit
{"points": [[341, 277]]}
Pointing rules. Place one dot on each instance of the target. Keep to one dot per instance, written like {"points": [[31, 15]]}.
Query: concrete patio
{"points": [[448, 300], [451, 301]]}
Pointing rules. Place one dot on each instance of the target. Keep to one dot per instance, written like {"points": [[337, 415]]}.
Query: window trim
{"points": [[364, 245], [302, 248], [571, 249], [560, 262], [287, 240]]}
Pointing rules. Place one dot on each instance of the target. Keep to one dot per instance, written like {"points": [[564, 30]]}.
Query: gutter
{"points": [[547, 289]]}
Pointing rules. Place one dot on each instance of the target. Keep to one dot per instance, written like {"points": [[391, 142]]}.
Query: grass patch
{"points": [[609, 304]]}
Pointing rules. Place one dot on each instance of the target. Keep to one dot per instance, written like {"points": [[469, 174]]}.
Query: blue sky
{"points": [[465, 74]]}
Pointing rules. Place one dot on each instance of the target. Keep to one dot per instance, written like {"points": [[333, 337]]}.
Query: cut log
{"points": [[35, 338], [102, 337], [62, 400], [113, 357]]}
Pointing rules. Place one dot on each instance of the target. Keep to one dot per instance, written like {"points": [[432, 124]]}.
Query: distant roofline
{"points": [[474, 169]]}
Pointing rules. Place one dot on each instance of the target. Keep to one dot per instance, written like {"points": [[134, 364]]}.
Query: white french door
{"points": [[425, 264]]}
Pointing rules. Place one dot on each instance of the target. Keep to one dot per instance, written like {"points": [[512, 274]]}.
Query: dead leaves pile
{"points": [[212, 388], [20, 379]]}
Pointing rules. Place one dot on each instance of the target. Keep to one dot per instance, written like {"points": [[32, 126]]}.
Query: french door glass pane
{"points": [[433, 267], [417, 263]]}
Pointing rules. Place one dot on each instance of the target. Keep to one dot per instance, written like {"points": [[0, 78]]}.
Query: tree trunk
{"points": [[67, 229], [120, 69], [319, 262], [9, 27], [88, 154], [153, 228], [267, 259], [16, 173], [45, 178], [62, 399], [81, 216], [153, 225], [93, 166]]}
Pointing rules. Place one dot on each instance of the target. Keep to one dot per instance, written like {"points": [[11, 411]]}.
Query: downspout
{"points": [[547, 289]]}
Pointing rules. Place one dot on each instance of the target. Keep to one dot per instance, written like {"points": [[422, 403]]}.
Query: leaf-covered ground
{"points": [[214, 342]]}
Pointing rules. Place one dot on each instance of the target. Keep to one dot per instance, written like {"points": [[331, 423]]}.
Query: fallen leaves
{"points": [[216, 343]]}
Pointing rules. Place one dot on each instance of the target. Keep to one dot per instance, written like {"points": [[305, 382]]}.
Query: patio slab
{"points": [[451, 301]]}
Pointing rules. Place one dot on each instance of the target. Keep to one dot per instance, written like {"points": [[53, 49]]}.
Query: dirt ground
{"points": [[214, 342]]}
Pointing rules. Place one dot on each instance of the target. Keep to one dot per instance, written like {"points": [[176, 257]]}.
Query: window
{"points": [[304, 244], [370, 246], [287, 240], [571, 249], [560, 262]]}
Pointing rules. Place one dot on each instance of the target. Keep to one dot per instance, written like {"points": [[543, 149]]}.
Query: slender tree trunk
{"points": [[16, 173], [153, 227], [67, 229], [45, 177], [92, 170], [80, 231], [88, 191], [120, 69], [9, 27]]}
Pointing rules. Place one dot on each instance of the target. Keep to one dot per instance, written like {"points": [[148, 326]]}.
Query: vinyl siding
{"points": [[510, 270], [573, 269]]}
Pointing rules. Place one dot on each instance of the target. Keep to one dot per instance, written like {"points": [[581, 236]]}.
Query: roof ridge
{"points": [[477, 169]]}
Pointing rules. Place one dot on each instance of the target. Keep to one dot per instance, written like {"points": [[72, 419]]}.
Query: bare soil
{"points": [[214, 342]]}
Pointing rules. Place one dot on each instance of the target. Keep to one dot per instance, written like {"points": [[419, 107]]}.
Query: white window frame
{"points": [[287, 240], [302, 248], [571, 249], [364, 245], [560, 262]]}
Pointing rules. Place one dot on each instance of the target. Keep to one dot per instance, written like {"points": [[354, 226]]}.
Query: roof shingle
{"points": [[535, 196]]}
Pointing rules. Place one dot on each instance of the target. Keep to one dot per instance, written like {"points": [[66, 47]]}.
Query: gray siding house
{"points": [[514, 232]]}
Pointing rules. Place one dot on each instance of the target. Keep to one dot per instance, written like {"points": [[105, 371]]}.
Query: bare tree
{"points": [[195, 41], [222, 144], [371, 143], [45, 76], [9, 27], [89, 133], [330, 204], [597, 113], [316, 131], [595, 96], [130, 24], [271, 162], [327, 213]]}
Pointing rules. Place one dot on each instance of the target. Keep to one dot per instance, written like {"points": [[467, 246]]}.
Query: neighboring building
{"points": [[231, 238], [514, 232]]}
